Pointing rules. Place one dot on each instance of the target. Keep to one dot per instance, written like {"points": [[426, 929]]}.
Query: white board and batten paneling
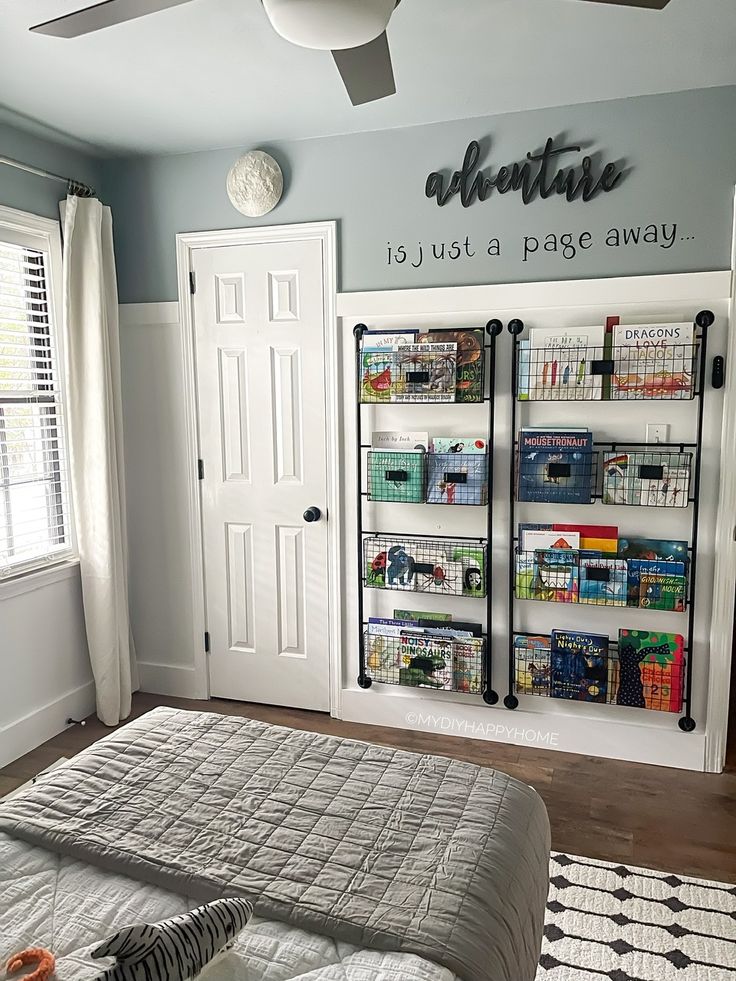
{"points": [[610, 731]]}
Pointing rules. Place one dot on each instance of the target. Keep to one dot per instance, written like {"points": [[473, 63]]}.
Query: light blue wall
{"points": [[680, 150], [29, 193]]}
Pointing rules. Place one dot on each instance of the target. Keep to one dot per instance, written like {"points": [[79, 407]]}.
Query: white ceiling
{"points": [[213, 73]]}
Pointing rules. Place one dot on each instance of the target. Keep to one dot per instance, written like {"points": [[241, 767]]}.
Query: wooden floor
{"points": [[672, 820]]}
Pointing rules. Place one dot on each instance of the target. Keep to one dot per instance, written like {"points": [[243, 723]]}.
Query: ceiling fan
{"points": [[353, 30]]}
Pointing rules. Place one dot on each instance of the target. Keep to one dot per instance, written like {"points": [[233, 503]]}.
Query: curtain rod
{"points": [[78, 188]]}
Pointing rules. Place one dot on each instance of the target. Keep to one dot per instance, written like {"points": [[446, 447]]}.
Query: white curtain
{"points": [[94, 413]]}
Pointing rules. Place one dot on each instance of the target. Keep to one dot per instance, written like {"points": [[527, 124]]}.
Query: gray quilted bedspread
{"points": [[371, 845]]}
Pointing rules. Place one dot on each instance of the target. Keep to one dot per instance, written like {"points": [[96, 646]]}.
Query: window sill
{"points": [[39, 578]]}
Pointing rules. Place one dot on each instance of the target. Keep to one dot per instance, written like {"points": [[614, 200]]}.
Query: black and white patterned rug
{"points": [[620, 923]]}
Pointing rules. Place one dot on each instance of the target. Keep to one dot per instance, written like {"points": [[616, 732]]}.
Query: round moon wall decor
{"points": [[255, 184]]}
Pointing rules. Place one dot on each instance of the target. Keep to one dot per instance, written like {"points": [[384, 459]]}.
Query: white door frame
{"points": [[324, 232]]}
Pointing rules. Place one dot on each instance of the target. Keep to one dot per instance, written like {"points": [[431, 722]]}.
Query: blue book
{"points": [[579, 666], [651, 567], [602, 581], [555, 467]]}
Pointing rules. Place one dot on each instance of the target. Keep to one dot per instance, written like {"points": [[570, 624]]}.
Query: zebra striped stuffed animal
{"points": [[176, 949]]}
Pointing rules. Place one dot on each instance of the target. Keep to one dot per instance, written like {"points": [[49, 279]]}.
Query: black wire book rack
{"points": [[444, 366], [596, 564]]}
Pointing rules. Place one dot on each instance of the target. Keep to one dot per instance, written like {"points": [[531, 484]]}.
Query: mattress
{"points": [[69, 906]]}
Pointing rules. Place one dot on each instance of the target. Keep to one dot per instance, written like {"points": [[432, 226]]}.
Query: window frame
{"points": [[31, 231]]}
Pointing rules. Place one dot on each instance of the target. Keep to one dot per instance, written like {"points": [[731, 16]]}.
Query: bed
{"points": [[363, 862]]}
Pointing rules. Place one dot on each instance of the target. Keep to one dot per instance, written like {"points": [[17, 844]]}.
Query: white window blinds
{"points": [[35, 525]]}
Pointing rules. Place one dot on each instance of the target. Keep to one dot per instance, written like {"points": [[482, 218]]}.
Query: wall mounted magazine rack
{"points": [[413, 564], [621, 473]]}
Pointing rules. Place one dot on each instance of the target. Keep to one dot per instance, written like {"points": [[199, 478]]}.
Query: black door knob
{"points": [[312, 514]]}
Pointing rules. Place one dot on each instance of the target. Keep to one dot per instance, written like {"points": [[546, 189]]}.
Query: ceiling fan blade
{"points": [[648, 4], [101, 15], [367, 71]]}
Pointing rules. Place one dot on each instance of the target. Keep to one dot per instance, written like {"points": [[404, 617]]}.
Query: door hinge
{"points": [[206, 641], [192, 283], [200, 469]]}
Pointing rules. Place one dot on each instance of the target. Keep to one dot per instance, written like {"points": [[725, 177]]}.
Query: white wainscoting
{"points": [[161, 592], [43, 650]]}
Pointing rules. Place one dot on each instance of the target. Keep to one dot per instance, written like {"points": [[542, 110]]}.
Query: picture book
{"points": [[465, 627], [602, 582], [660, 591], [531, 539], [651, 670], [523, 371], [653, 361], [412, 564], [467, 666], [378, 368], [561, 363], [376, 339], [417, 615], [375, 559], [459, 444], [396, 476], [532, 664], [652, 549], [657, 479], [426, 662], [592, 538], [469, 360], [579, 666], [390, 627], [551, 576], [457, 478], [555, 467], [473, 561], [424, 373], [648, 567], [383, 657], [400, 441]]}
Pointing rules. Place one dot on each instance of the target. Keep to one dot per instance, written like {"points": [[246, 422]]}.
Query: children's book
{"points": [[531, 538], [660, 591], [649, 567], [457, 478], [579, 665], [523, 370], [426, 662], [651, 670], [602, 581], [654, 549], [592, 538], [383, 657], [554, 576], [467, 666], [418, 615], [561, 363], [653, 361], [396, 476], [469, 360], [555, 466], [378, 368], [532, 664], [400, 441], [473, 561], [425, 373], [390, 627], [375, 556], [657, 479], [459, 444], [376, 339]]}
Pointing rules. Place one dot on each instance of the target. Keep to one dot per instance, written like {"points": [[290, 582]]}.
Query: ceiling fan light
{"points": [[329, 24]]}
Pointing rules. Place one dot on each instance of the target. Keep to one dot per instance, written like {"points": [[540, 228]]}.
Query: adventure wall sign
{"points": [[537, 177]]}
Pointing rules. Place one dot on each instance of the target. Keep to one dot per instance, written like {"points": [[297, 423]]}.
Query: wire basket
{"points": [[457, 478], [420, 660], [657, 478], [556, 476], [626, 674], [451, 567], [397, 476], [573, 373]]}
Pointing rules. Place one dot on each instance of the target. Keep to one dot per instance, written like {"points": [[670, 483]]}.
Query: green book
{"points": [[396, 476], [417, 615]]}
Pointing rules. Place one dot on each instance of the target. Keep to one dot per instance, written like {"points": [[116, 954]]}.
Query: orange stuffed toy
{"points": [[46, 963]]}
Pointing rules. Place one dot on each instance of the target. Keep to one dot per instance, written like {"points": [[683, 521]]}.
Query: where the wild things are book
{"points": [[469, 387]]}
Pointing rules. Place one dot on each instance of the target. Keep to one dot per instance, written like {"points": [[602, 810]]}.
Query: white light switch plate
{"points": [[657, 432]]}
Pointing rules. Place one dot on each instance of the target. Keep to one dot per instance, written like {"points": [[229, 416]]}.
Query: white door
{"points": [[260, 332]]}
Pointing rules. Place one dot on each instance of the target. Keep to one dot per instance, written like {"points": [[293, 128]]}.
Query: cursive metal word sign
{"points": [[534, 178]]}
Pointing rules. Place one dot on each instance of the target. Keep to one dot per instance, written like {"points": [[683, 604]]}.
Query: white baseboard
{"points": [[23, 735], [584, 735], [167, 679]]}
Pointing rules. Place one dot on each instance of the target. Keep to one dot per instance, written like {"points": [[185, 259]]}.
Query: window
{"points": [[35, 523]]}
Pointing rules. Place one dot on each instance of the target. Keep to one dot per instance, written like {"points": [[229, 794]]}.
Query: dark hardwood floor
{"points": [[666, 819]]}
